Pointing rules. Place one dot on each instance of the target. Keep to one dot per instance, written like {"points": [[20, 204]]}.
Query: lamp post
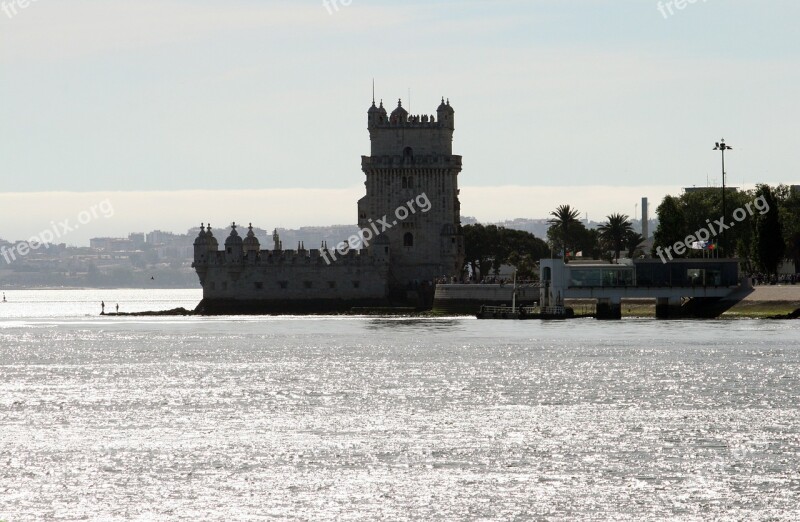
{"points": [[721, 146]]}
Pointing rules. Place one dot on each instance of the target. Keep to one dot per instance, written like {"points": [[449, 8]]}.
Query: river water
{"points": [[352, 418]]}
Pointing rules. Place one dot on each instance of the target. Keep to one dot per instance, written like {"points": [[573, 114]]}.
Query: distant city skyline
{"points": [[292, 209]]}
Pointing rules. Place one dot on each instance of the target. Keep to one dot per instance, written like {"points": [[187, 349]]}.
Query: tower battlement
{"points": [[403, 134]]}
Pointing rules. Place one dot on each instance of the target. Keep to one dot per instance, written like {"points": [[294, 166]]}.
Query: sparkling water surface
{"points": [[355, 418]]}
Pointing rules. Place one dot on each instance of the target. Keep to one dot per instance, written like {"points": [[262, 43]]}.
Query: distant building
{"points": [[137, 239], [157, 237], [111, 244], [795, 189]]}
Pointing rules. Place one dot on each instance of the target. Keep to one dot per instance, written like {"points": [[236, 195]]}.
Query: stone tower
{"points": [[412, 160]]}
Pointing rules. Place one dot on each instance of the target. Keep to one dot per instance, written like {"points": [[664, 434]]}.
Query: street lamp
{"points": [[721, 146]]}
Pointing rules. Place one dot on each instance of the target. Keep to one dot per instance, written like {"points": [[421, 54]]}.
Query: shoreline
{"points": [[754, 310]]}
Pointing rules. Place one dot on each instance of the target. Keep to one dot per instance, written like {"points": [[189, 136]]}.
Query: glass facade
{"points": [[689, 273], [602, 276]]}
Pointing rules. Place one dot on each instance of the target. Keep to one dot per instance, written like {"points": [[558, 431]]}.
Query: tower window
{"points": [[408, 239]]}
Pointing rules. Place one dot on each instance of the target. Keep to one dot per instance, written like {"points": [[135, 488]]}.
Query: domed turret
{"points": [[376, 115], [201, 245], [213, 245], [201, 237], [251, 244], [446, 114], [234, 246], [399, 115]]}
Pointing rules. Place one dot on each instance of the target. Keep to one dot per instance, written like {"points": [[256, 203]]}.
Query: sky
{"points": [[179, 111]]}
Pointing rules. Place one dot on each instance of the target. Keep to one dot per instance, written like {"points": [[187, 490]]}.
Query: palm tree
{"points": [[633, 241], [615, 231], [563, 217]]}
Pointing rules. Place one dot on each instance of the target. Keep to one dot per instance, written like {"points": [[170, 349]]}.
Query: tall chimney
{"points": [[645, 219]]}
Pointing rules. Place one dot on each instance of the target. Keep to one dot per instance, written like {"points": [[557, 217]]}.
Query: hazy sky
{"points": [[119, 96]]}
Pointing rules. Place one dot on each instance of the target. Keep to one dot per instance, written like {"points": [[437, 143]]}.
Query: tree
{"points": [[615, 231], [632, 242], [477, 248], [581, 239], [790, 216], [769, 244], [525, 266], [671, 223], [563, 217], [489, 247]]}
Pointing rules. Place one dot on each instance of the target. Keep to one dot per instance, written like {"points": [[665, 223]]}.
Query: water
{"points": [[393, 419], [51, 304]]}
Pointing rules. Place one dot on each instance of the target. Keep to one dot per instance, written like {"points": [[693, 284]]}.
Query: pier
{"points": [[680, 288]]}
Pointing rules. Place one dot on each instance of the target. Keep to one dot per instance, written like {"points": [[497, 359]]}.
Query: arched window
{"points": [[405, 182], [408, 153], [408, 239]]}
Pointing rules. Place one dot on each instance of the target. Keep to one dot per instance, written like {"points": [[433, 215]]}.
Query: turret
{"points": [[211, 241], [251, 245], [234, 247], [376, 115], [201, 246], [446, 115], [399, 115]]}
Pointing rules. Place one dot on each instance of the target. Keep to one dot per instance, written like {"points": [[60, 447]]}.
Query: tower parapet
{"points": [[400, 117]]}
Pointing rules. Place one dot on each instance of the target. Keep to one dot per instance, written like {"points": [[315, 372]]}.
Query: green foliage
{"points": [[672, 225], [580, 238], [615, 231], [769, 244], [489, 247], [564, 217], [755, 240], [634, 240]]}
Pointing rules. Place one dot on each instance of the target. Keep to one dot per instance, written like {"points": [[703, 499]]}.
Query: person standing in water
{"points": [[117, 307], [102, 307]]}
